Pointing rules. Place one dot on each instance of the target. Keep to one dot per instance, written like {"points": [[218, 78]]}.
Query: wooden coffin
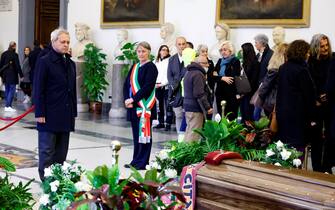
{"points": [[239, 184]]}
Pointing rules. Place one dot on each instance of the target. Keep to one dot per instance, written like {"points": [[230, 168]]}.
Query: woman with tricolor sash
{"points": [[139, 96]]}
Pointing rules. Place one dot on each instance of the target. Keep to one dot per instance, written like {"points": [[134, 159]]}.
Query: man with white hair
{"points": [[55, 101], [264, 55]]}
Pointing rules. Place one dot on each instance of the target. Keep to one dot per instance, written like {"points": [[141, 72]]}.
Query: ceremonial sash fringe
{"points": [[144, 109]]}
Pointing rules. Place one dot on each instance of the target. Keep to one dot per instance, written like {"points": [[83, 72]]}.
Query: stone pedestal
{"points": [[117, 110], [82, 104]]}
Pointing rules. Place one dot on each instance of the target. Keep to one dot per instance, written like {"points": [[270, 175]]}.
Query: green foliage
{"points": [[7, 164], [15, 197], [187, 153], [256, 134], [135, 192], [94, 82], [129, 56]]}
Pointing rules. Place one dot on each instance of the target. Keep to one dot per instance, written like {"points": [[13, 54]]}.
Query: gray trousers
{"points": [[178, 112], [194, 120]]}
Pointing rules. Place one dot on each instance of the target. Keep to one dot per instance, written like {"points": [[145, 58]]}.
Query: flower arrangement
{"points": [[280, 154], [60, 184], [110, 191], [165, 162], [252, 142]]}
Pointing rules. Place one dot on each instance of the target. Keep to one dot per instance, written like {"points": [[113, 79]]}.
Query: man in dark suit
{"points": [[176, 71], [33, 57], [10, 69], [55, 100]]}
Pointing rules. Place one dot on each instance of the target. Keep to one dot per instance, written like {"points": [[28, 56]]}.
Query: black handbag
{"points": [[242, 84]]}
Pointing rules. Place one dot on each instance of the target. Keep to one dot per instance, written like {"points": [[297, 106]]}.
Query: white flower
{"points": [[47, 172], [280, 145], [54, 185], [65, 166], [297, 162], [285, 154], [170, 173], [155, 165], [81, 186], [217, 118], [163, 154], [44, 199], [148, 167], [269, 153], [277, 164]]}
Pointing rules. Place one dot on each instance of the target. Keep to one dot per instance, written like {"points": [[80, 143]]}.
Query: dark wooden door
{"points": [[46, 19]]}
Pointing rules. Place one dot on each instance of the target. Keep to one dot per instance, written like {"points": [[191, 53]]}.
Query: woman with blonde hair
{"points": [[268, 89], [225, 70]]}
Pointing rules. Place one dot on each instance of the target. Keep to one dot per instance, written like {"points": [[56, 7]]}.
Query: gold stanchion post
{"points": [[115, 147]]}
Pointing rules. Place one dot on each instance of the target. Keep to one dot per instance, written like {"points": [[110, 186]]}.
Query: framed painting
{"points": [[131, 13], [263, 13]]}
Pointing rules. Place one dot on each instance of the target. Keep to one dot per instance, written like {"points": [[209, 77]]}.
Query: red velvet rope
{"points": [[16, 119]]}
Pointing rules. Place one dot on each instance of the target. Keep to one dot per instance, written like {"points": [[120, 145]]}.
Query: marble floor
{"points": [[89, 144]]}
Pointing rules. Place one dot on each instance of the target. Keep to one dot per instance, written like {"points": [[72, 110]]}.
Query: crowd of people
{"points": [[295, 81]]}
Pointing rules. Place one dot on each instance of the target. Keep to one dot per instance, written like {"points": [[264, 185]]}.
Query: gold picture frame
{"points": [[131, 13], [263, 13]]}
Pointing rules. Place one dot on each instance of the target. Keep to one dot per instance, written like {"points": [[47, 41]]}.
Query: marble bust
{"points": [[82, 36], [278, 36], [167, 35], [222, 32], [122, 39]]}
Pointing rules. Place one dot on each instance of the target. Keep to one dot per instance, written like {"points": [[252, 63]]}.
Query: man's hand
{"points": [[210, 111], [228, 80], [40, 119]]}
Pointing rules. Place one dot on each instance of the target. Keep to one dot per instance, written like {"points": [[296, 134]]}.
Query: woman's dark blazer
{"points": [[147, 79]]}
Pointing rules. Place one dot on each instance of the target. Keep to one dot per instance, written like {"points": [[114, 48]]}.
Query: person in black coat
{"points": [[268, 90], [330, 91], [251, 68], [10, 69], [33, 58], [321, 54], [55, 101], [139, 99], [295, 97], [224, 72]]}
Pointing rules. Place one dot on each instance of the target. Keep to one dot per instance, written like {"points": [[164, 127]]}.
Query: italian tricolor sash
{"points": [[144, 109]]}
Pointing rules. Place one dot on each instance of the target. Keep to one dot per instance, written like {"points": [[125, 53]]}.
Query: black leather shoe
{"points": [[160, 125], [127, 165], [167, 127]]}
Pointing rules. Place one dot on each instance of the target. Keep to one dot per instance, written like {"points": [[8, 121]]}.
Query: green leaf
{"points": [[136, 175], [151, 175]]}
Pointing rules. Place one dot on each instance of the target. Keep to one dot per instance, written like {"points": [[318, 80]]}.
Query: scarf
{"points": [[223, 65], [144, 109]]}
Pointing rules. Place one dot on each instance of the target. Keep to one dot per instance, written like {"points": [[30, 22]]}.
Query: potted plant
{"points": [[94, 81], [129, 56]]}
